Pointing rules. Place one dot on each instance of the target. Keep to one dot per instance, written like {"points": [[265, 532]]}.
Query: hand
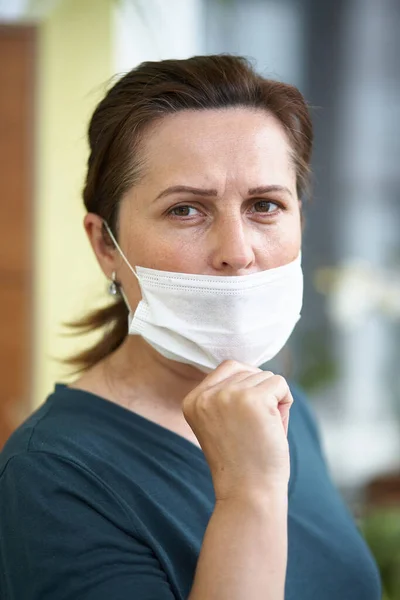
{"points": [[240, 416]]}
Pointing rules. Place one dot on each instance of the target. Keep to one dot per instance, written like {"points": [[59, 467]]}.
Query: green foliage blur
{"points": [[381, 529]]}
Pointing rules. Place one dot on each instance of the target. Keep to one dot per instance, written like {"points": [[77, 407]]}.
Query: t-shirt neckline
{"points": [[150, 425]]}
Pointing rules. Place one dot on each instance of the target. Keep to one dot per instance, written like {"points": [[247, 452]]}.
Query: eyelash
{"points": [[187, 217]]}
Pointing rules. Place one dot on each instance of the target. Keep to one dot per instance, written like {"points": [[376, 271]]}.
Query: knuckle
{"points": [[280, 379], [269, 373], [206, 401], [201, 403], [224, 396], [281, 382], [206, 395], [229, 363], [247, 395]]}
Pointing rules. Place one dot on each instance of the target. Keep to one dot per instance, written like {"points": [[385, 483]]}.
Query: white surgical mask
{"points": [[203, 320]]}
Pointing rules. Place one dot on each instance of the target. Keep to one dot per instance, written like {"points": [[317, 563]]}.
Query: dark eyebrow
{"points": [[176, 189], [262, 189], [265, 189]]}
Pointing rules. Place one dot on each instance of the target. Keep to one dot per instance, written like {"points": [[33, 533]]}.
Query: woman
{"points": [[168, 469]]}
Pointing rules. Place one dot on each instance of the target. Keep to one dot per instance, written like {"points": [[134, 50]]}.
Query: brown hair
{"points": [[146, 94]]}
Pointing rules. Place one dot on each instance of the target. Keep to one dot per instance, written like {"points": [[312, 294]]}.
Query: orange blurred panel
{"points": [[17, 56]]}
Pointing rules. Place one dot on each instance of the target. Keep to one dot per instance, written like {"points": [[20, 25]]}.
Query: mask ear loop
{"points": [[120, 289]]}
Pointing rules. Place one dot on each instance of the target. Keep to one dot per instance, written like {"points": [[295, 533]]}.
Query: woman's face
{"points": [[218, 197]]}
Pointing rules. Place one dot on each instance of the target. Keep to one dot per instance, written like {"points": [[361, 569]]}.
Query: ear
{"points": [[302, 217], [105, 251]]}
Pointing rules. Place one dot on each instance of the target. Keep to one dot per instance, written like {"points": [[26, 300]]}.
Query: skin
{"points": [[231, 232]]}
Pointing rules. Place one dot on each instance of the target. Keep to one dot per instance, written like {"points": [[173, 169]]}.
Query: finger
{"points": [[275, 386], [228, 373], [284, 410], [224, 372], [277, 391], [279, 388], [249, 380], [233, 381]]}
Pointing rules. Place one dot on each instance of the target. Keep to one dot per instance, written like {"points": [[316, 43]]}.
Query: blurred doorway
{"points": [[17, 77]]}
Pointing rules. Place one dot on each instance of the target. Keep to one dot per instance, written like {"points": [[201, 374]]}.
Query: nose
{"points": [[232, 249]]}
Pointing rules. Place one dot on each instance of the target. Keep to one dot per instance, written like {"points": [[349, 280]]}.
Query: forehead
{"points": [[210, 143]]}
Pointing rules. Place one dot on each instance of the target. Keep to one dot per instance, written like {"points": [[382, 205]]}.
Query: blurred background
{"points": [[57, 58]]}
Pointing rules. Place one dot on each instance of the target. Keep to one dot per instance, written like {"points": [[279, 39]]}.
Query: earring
{"points": [[113, 287]]}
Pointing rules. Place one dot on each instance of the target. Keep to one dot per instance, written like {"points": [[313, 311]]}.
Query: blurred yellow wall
{"points": [[75, 58]]}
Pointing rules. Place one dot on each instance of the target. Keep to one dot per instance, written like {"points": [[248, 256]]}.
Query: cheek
{"points": [[282, 245], [178, 252]]}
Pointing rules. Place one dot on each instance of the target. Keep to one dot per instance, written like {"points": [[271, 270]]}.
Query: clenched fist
{"points": [[240, 416]]}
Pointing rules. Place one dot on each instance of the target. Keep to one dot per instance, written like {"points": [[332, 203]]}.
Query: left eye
{"points": [[183, 211], [265, 206]]}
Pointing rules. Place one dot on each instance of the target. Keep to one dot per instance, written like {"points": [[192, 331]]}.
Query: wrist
{"points": [[275, 493]]}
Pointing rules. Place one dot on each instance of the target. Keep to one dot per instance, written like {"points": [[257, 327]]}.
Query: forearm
{"points": [[244, 551]]}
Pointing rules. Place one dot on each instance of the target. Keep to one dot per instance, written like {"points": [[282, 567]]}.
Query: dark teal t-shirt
{"points": [[99, 503]]}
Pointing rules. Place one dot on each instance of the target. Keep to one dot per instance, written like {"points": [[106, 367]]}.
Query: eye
{"points": [[183, 211], [266, 206]]}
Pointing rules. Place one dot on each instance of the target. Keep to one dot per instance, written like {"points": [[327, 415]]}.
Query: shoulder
{"points": [[42, 448], [20, 441], [52, 490], [74, 443], [58, 428]]}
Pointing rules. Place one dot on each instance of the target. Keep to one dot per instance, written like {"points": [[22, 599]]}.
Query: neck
{"points": [[136, 370]]}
